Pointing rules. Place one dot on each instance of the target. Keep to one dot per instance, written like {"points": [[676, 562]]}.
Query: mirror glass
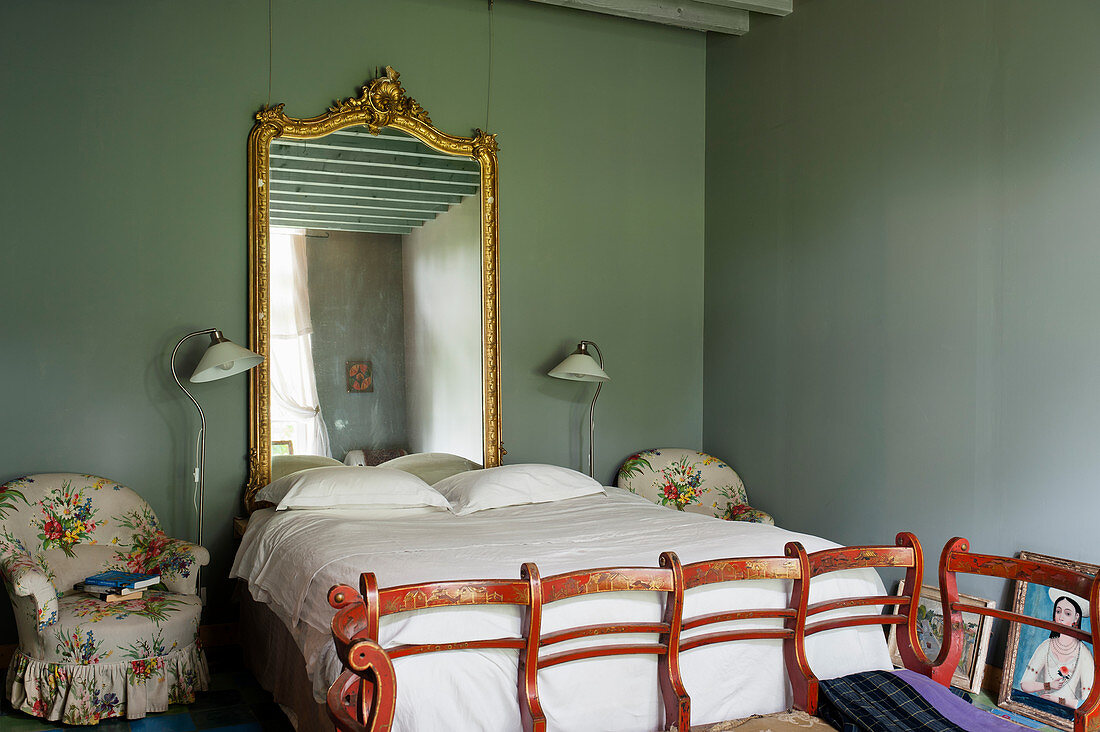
{"points": [[375, 298]]}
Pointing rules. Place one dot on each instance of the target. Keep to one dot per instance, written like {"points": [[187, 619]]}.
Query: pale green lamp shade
{"points": [[579, 367], [223, 359]]}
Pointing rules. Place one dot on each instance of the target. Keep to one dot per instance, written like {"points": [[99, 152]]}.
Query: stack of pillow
{"points": [[426, 482]]}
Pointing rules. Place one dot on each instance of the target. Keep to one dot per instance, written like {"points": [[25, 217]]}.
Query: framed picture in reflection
{"points": [[360, 377]]}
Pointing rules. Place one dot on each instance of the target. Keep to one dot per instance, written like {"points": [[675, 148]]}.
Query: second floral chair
{"points": [[689, 480], [81, 660]]}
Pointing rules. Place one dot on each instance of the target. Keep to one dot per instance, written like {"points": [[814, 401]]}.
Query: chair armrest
{"points": [[745, 512], [28, 577], [177, 561]]}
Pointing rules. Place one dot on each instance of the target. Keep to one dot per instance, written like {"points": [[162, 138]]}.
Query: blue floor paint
{"points": [[163, 723]]}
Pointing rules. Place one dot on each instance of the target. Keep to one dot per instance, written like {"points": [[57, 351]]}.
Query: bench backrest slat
{"points": [[907, 553], [368, 702], [667, 579], [738, 569]]}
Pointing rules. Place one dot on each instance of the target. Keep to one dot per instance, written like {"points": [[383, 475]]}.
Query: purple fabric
{"points": [[958, 711]]}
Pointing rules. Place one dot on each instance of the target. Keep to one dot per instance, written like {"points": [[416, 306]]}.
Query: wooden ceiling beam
{"points": [[285, 170], [770, 7], [332, 226], [307, 204], [394, 143], [325, 149], [410, 190], [404, 217], [691, 14], [323, 218], [377, 199]]}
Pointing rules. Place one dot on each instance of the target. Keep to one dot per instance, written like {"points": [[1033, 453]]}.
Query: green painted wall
{"points": [[123, 206], [901, 270]]}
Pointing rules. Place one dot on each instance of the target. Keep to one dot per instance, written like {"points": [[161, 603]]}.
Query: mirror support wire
{"points": [[489, 81]]}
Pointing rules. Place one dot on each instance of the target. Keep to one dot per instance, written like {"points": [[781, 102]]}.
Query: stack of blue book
{"points": [[115, 586]]}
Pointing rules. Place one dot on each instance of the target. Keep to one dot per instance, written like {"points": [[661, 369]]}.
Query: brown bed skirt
{"points": [[273, 657]]}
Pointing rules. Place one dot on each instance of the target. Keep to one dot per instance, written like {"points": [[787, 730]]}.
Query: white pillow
{"points": [[351, 487], [286, 464], [514, 485], [431, 467]]}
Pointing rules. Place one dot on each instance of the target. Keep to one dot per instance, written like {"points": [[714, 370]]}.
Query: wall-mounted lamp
{"points": [[223, 358], [579, 366]]}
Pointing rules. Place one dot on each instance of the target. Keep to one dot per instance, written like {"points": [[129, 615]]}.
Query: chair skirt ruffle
{"points": [[87, 693]]}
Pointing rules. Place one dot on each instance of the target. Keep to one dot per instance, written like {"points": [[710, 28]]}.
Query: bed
{"points": [[289, 559]]}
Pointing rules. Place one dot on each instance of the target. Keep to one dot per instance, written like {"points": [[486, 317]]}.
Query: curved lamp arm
{"points": [[579, 366], [222, 358], [592, 411], [200, 469]]}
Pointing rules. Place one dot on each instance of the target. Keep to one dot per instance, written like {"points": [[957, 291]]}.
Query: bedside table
{"points": [[240, 525]]}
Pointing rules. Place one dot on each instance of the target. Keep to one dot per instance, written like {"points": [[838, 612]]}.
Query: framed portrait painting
{"points": [[1047, 674], [976, 631]]}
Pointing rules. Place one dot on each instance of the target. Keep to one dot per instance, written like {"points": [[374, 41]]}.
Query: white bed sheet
{"points": [[290, 559]]}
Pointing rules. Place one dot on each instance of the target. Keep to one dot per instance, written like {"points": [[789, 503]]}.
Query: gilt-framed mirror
{"points": [[373, 285]]}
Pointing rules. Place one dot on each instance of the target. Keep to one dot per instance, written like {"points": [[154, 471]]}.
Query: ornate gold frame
{"points": [[382, 103]]}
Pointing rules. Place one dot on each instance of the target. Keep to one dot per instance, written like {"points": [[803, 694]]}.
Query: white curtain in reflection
{"points": [[295, 408]]}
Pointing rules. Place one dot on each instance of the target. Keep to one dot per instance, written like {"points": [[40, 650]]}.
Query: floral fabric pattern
{"points": [[680, 484], [144, 669], [689, 480], [743, 512], [81, 660], [155, 605], [67, 519], [635, 465], [15, 560], [28, 579], [72, 648], [150, 550], [156, 625], [10, 495], [147, 647], [89, 694]]}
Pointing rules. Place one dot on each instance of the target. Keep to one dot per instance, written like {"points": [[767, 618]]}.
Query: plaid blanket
{"points": [[878, 701]]}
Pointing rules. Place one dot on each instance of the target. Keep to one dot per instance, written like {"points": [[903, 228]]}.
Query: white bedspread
{"points": [[290, 560]]}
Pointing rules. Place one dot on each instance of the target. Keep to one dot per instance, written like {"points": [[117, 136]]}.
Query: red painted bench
{"points": [[363, 698]]}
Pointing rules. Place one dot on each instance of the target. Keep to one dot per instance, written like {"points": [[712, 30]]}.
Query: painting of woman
{"points": [[1061, 668], [1049, 675]]}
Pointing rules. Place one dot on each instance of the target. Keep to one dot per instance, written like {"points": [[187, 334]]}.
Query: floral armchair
{"points": [[81, 660], [689, 480]]}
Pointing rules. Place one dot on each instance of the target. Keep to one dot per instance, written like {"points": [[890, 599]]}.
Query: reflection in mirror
{"points": [[375, 298], [386, 268]]}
